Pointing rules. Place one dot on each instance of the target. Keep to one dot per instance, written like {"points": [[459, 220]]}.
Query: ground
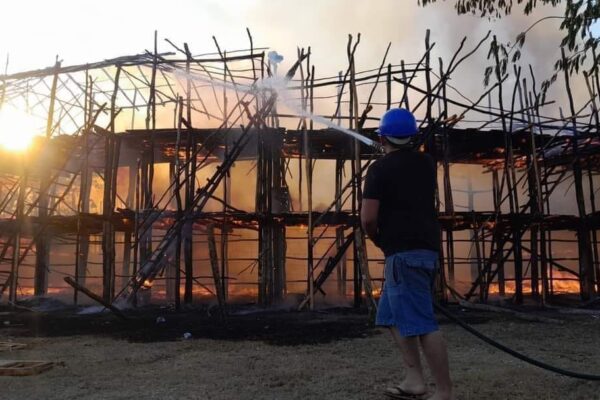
{"points": [[282, 355]]}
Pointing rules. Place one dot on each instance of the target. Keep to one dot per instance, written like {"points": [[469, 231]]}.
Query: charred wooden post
{"points": [[108, 250], [478, 254], [360, 244], [497, 237], [214, 264], [279, 204], [129, 234], [135, 248], [126, 260], [148, 156], [356, 274], [586, 267], [341, 267], [596, 260], [509, 173], [14, 271], [188, 248], [177, 192], [111, 165], [533, 183], [271, 199], [174, 259], [355, 168], [541, 176], [404, 101], [447, 184], [113, 201], [42, 245], [82, 244], [279, 256], [308, 164], [594, 92], [226, 179], [190, 186], [430, 146], [262, 206], [225, 228], [82, 247]]}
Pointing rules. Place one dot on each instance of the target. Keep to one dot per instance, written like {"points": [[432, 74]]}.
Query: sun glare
{"points": [[17, 129]]}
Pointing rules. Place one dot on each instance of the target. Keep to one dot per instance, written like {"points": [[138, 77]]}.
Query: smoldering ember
{"points": [[187, 225]]}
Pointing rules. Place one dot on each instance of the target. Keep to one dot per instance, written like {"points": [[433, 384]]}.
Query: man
{"points": [[398, 214]]}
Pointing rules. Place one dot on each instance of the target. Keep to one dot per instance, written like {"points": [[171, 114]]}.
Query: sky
{"points": [[80, 32]]}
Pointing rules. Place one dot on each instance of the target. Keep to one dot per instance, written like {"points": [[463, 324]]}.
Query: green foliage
{"points": [[577, 41], [577, 19], [493, 8]]}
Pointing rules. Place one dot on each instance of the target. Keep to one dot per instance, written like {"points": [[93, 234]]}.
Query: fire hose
{"points": [[512, 352]]}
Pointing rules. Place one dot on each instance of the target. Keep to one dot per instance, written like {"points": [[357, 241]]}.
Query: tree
{"points": [[577, 18]]}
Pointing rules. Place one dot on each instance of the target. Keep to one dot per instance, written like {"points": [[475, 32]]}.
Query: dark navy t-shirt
{"points": [[404, 183]]}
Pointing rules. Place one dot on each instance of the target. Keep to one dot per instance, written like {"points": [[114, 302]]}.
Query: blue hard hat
{"points": [[399, 123]]}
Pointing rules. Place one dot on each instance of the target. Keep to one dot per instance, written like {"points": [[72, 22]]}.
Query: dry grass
{"points": [[100, 367]]}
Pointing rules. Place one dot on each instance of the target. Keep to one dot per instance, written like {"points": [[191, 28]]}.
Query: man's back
{"points": [[404, 183]]}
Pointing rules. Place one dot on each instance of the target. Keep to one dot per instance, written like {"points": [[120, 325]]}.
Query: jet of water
{"points": [[279, 86]]}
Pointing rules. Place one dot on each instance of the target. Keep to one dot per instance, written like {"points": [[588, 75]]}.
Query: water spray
{"points": [[279, 85]]}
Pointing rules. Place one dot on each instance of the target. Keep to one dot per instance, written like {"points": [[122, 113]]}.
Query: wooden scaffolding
{"points": [[91, 180]]}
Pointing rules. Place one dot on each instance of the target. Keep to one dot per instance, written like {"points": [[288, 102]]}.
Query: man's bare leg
{"points": [[436, 354], [409, 347]]}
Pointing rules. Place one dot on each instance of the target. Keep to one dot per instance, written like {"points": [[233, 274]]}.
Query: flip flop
{"points": [[395, 392]]}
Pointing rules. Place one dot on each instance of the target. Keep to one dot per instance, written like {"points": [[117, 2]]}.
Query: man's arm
{"points": [[369, 212]]}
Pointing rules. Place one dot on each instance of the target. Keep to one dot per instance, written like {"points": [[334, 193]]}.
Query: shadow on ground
{"points": [[157, 324]]}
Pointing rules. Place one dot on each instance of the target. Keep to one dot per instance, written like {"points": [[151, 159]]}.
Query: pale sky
{"points": [[34, 32]]}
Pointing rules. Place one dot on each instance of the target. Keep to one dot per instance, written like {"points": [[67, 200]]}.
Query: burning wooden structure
{"points": [[91, 182]]}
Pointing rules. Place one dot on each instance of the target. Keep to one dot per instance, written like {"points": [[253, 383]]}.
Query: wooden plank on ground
{"points": [[23, 368], [11, 346], [95, 297]]}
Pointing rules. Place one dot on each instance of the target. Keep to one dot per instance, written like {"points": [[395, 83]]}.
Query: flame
{"points": [[28, 291], [562, 282], [147, 284]]}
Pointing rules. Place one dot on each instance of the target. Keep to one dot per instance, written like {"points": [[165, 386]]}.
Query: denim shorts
{"points": [[407, 297]]}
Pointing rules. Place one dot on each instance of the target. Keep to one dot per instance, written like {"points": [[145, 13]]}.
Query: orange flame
{"points": [[562, 282]]}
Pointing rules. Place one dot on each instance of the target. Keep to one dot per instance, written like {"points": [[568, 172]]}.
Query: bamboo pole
{"points": [[214, 263], [14, 272], [339, 232], [584, 245], [111, 154], [43, 243], [177, 191], [225, 227], [497, 198], [190, 185], [360, 246], [85, 185]]}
